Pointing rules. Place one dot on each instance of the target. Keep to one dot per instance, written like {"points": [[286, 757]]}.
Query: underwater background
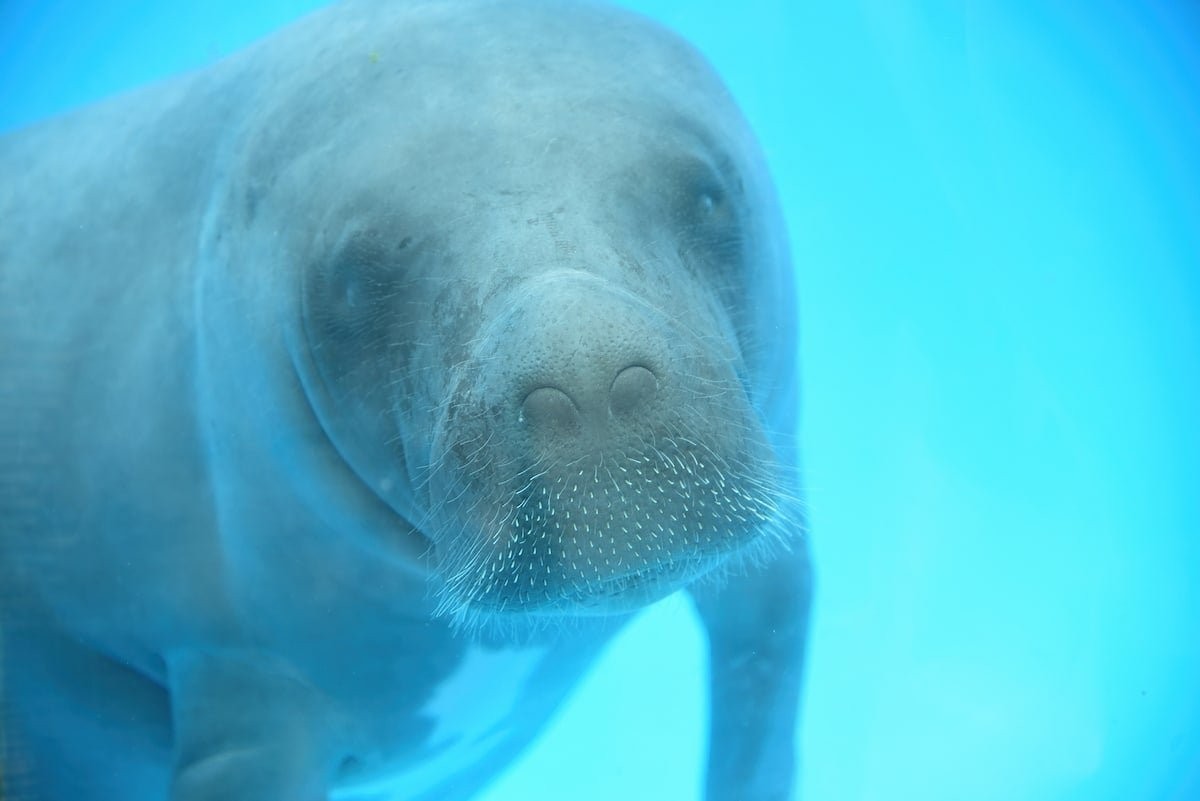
{"points": [[995, 216]]}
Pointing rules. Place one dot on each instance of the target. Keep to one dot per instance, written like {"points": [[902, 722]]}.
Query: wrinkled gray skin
{"points": [[376, 372]]}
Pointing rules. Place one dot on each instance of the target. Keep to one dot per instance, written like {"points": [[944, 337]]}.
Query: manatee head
{"points": [[545, 304]]}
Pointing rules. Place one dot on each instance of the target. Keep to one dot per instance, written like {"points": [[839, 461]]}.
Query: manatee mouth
{"points": [[605, 534], [626, 592], [637, 588]]}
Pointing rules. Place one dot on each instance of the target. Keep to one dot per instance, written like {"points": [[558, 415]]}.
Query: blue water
{"points": [[995, 212]]}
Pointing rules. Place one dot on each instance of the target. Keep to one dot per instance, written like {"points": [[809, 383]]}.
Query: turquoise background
{"points": [[995, 213]]}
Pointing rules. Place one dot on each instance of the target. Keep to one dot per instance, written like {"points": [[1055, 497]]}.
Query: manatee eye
{"points": [[711, 209], [345, 289], [708, 198], [709, 201], [706, 210], [352, 310], [349, 288]]}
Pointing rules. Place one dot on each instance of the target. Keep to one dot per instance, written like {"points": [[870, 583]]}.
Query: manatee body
{"points": [[355, 390]]}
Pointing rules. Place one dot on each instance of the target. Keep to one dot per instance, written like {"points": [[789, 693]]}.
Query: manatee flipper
{"points": [[757, 625], [247, 728]]}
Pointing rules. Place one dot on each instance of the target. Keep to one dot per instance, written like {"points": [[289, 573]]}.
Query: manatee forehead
{"points": [[455, 85], [587, 59]]}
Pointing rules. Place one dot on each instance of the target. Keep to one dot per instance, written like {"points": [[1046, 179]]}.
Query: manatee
{"points": [[358, 388]]}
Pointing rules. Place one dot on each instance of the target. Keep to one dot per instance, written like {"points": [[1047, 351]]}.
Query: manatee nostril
{"points": [[633, 388], [548, 406]]}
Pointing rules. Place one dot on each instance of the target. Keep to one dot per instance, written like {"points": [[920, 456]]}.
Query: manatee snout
{"points": [[585, 370], [550, 407], [596, 452]]}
